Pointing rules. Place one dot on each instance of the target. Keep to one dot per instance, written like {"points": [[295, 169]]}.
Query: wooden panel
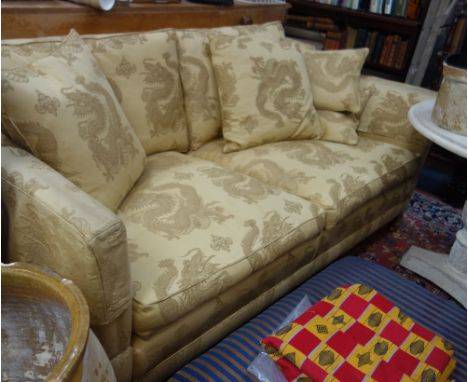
{"points": [[23, 19]]}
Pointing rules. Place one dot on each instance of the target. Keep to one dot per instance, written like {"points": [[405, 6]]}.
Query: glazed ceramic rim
{"points": [[72, 298]]}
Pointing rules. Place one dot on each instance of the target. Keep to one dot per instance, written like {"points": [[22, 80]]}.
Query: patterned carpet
{"points": [[428, 223]]}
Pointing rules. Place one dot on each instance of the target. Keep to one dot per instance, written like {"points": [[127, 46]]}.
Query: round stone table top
{"points": [[420, 117]]}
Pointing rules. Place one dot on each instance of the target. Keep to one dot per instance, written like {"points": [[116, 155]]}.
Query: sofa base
{"points": [[165, 368]]}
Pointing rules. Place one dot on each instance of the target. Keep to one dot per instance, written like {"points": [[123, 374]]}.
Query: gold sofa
{"points": [[204, 240]]}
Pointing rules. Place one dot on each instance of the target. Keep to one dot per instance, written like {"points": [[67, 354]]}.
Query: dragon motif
{"points": [[333, 65], [274, 227], [280, 93], [198, 278], [41, 142], [269, 172], [162, 95], [109, 140], [172, 210], [238, 186], [316, 154], [390, 117]]}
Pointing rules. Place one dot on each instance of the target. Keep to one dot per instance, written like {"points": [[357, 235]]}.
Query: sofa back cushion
{"points": [[264, 92], [142, 69], [202, 105], [63, 110]]}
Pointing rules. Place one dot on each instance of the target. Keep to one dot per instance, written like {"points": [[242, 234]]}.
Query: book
{"points": [[332, 40], [364, 5], [389, 7], [386, 50], [350, 37], [393, 51], [305, 34], [375, 54], [371, 46], [400, 8], [412, 9], [355, 4], [376, 6], [361, 38], [401, 56]]}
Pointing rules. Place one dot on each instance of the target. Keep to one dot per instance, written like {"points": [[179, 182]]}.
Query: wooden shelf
{"points": [[380, 67], [345, 18], [33, 18], [356, 18]]}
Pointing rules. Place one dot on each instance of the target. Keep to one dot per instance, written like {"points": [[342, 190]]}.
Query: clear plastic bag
{"points": [[262, 366]]}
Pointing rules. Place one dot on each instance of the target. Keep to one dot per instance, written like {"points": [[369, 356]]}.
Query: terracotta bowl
{"points": [[45, 323]]}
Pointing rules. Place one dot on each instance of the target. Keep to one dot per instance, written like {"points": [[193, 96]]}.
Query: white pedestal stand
{"points": [[447, 272]]}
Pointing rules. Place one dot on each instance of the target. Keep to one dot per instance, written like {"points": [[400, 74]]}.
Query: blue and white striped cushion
{"points": [[228, 360]]}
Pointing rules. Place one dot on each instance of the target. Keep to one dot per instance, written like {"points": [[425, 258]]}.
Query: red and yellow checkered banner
{"points": [[355, 334]]}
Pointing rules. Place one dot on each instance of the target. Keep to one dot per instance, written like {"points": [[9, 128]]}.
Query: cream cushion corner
{"points": [[143, 70], [334, 77], [264, 92], [198, 80], [66, 113], [215, 227]]}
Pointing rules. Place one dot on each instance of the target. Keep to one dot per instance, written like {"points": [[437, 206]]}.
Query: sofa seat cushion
{"points": [[338, 177], [195, 229]]}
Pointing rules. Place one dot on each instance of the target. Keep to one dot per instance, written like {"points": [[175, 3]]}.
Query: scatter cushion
{"points": [[264, 91], [143, 70], [334, 77], [214, 228], [64, 111], [339, 178], [339, 126], [200, 90]]}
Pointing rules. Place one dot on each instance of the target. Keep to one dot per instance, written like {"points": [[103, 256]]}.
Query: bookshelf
{"points": [[396, 34]]}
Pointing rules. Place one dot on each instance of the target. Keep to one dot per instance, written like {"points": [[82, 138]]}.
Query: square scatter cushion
{"points": [[143, 69], [264, 92], [198, 80], [62, 108], [334, 77]]}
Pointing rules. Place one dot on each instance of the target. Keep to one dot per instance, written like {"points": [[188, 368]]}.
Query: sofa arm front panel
{"points": [[55, 224], [385, 114]]}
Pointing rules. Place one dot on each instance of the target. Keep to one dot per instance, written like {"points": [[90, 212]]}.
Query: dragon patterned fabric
{"points": [[355, 334], [264, 92], [143, 70], [196, 70], [339, 126], [385, 115], [63, 110], [334, 77], [214, 227], [339, 178], [53, 223]]}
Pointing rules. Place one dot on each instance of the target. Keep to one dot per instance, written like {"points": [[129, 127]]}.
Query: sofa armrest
{"points": [[385, 112], [51, 222]]}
